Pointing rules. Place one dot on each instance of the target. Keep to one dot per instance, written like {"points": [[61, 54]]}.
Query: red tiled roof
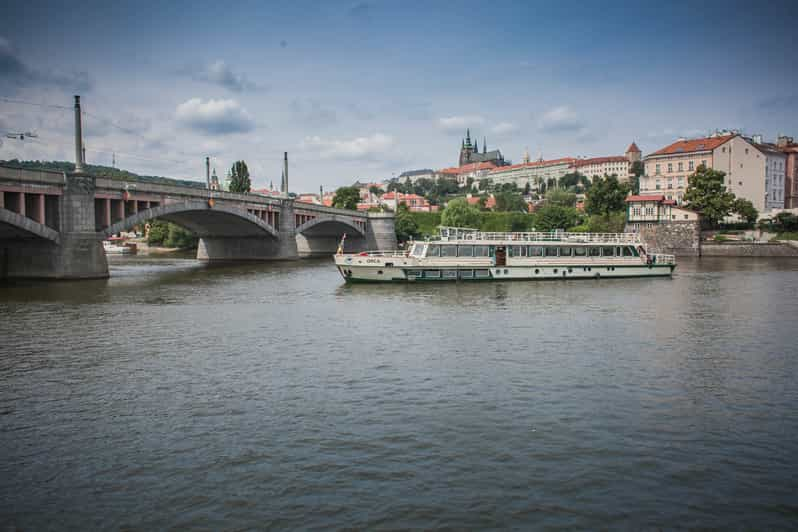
{"points": [[652, 197], [601, 160], [392, 195], [490, 201], [633, 148], [533, 164], [693, 145], [470, 167]]}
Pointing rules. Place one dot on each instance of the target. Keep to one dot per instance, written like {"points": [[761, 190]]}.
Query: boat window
{"points": [[518, 251], [417, 251], [433, 250], [595, 251], [450, 274], [448, 251], [480, 251], [414, 273], [551, 252], [565, 252], [491, 251], [432, 274], [607, 252], [482, 273], [534, 251], [580, 252], [465, 251], [629, 251], [466, 274]]}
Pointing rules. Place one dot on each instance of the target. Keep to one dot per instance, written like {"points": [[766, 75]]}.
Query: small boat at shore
{"points": [[118, 246], [471, 255]]}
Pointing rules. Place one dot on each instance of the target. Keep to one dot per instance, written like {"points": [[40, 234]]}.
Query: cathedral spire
{"points": [[484, 145]]}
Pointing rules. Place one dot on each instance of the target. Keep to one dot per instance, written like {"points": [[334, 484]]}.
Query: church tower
{"points": [[466, 150]]}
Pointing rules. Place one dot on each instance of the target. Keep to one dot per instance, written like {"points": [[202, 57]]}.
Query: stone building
{"points": [[619, 165], [790, 150]]}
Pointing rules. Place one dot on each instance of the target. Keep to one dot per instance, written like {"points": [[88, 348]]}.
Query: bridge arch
{"points": [[15, 225], [200, 218], [332, 225]]}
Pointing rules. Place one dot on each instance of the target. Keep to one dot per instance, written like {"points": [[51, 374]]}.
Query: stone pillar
{"points": [[381, 231], [37, 212], [21, 204], [2, 200], [106, 212]]}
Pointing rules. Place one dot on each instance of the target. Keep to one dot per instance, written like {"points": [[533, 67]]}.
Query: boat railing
{"points": [[389, 254], [460, 233], [662, 258]]}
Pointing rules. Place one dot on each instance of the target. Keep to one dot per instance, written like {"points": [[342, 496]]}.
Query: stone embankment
{"points": [[749, 249]]}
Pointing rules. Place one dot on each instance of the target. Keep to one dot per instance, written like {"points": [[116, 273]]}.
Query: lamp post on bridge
{"points": [[79, 151]]}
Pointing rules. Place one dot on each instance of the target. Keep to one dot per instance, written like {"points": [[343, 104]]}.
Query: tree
{"points": [[507, 201], [458, 213], [607, 223], [346, 198], [374, 189], [552, 216], [746, 210], [606, 196], [485, 184], [405, 224], [561, 197], [706, 194], [239, 177], [527, 189]]}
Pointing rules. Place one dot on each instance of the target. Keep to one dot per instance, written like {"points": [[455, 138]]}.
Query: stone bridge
{"points": [[52, 224]]}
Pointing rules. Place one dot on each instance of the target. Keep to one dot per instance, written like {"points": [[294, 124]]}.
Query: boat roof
{"points": [[466, 235]]}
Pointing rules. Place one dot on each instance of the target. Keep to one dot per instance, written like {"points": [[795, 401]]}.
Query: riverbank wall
{"points": [[748, 249]]}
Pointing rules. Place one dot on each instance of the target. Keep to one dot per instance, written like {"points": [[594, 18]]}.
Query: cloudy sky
{"points": [[368, 89]]}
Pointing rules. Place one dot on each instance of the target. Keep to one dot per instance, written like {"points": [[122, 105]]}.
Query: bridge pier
{"points": [[77, 253], [220, 249]]}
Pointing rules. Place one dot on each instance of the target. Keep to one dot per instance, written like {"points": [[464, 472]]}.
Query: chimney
{"points": [[79, 153], [208, 171]]}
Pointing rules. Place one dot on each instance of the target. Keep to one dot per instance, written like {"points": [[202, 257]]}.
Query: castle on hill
{"points": [[469, 153]]}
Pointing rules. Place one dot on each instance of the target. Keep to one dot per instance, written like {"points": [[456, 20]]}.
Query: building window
{"points": [[690, 166], [681, 167], [704, 163], [670, 167], [723, 149], [656, 171]]}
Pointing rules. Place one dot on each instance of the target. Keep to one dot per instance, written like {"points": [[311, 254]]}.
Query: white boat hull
{"points": [[382, 273]]}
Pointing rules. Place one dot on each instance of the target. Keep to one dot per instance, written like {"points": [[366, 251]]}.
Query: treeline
{"points": [[170, 235], [101, 171]]}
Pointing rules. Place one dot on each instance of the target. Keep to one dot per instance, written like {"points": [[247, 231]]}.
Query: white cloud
{"points": [[458, 123], [359, 148], [504, 128], [217, 117], [561, 119], [220, 73]]}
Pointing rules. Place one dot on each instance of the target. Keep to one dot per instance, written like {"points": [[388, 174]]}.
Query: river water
{"points": [[273, 396]]}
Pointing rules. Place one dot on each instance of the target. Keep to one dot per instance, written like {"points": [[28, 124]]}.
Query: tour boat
{"points": [[472, 255], [118, 246]]}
